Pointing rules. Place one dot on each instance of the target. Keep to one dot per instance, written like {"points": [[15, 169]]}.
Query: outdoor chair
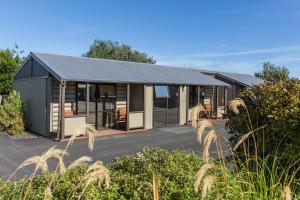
{"points": [[121, 116]]}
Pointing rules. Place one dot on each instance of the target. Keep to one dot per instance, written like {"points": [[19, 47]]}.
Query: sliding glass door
{"points": [[101, 104], [166, 105]]}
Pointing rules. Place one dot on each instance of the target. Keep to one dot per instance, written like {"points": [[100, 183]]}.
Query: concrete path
{"points": [[14, 151]]}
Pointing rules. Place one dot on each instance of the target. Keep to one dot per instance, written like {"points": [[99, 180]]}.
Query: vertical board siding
{"points": [[148, 94], [34, 97], [182, 105]]}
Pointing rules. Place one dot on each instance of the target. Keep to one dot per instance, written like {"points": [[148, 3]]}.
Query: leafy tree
{"points": [[108, 49], [10, 60], [271, 72], [11, 114]]}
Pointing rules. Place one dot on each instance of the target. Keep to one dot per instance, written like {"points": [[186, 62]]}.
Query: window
{"points": [[161, 91], [107, 90], [81, 99], [173, 101]]}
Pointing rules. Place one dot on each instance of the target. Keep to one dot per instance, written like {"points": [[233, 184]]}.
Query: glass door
{"points": [[92, 104], [166, 105], [106, 106]]}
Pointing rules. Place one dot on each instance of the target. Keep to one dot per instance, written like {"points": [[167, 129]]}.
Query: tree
{"points": [[108, 49], [10, 61], [272, 72], [11, 114]]}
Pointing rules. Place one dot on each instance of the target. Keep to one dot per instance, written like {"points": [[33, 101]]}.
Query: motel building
{"points": [[61, 94]]}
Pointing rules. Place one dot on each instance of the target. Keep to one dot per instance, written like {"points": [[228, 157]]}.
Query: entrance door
{"points": [[106, 106], [102, 105], [166, 105]]}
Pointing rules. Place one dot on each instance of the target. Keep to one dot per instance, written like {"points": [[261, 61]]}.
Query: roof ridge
{"points": [[111, 60]]}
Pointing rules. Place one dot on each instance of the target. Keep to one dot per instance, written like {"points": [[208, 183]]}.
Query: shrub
{"points": [[11, 114], [277, 105]]}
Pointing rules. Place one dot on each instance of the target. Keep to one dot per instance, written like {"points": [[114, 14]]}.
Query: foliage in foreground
{"points": [[276, 105], [131, 179], [11, 115]]}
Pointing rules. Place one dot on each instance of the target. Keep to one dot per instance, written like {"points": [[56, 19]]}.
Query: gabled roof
{"points": [[70, 68], [243, 79]]}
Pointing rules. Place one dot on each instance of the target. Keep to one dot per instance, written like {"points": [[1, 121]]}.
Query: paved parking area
{"points": [[106, 148]]}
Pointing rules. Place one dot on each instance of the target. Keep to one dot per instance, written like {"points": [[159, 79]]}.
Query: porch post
{"points": [[187, 103], [62, 91], [216, 101], [225, 96], [127, 106], [87, 101], [198, 95]]}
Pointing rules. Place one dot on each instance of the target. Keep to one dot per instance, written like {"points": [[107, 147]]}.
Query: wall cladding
{"points": [[31, 69]]}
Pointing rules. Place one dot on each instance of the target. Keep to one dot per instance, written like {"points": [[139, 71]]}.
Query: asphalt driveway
{"points": [[14, 151]]}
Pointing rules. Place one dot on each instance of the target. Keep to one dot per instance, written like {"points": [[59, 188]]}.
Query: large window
{"points": [[81, 98]]}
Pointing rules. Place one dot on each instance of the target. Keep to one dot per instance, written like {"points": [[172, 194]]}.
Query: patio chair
{"points": [[121, 117]]}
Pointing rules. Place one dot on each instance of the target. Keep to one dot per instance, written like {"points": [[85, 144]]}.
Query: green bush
{"points": [[131, 178], [11, 115], [277, 105]]}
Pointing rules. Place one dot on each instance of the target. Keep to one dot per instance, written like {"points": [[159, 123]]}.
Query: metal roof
{"points": [[69, 68], [243, 79]]}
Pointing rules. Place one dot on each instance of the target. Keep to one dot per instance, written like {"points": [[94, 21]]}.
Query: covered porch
{"points": [[111, 108], [212, 98]]}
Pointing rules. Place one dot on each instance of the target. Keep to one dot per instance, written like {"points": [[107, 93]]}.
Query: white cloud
{"points": [[250, 52]]}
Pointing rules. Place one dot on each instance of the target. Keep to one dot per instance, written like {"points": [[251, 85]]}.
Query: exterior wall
{"points": [[31, 69], [70, 103], [35, 96], [136, 119], [182, 105], [148, 111], [73, 125]]}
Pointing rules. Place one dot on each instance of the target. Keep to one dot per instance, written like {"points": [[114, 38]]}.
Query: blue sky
{"points": [[234, 36]]}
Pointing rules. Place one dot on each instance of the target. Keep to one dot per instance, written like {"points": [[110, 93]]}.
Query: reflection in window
{"points": [[107, 90], [81, 99], [193, 99], [173, 98], [161, 91]]}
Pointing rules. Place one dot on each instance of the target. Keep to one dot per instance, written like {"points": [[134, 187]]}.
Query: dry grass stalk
{"points": [[202, 125], [155, 187], [244, 137], [57, 154], [200, 173], [195, 113], [211, 136], [38, 161], [87, 130], [80, 161], [235, 103], [48, 194], [287, 194], [97, 172], [207, 185]]}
